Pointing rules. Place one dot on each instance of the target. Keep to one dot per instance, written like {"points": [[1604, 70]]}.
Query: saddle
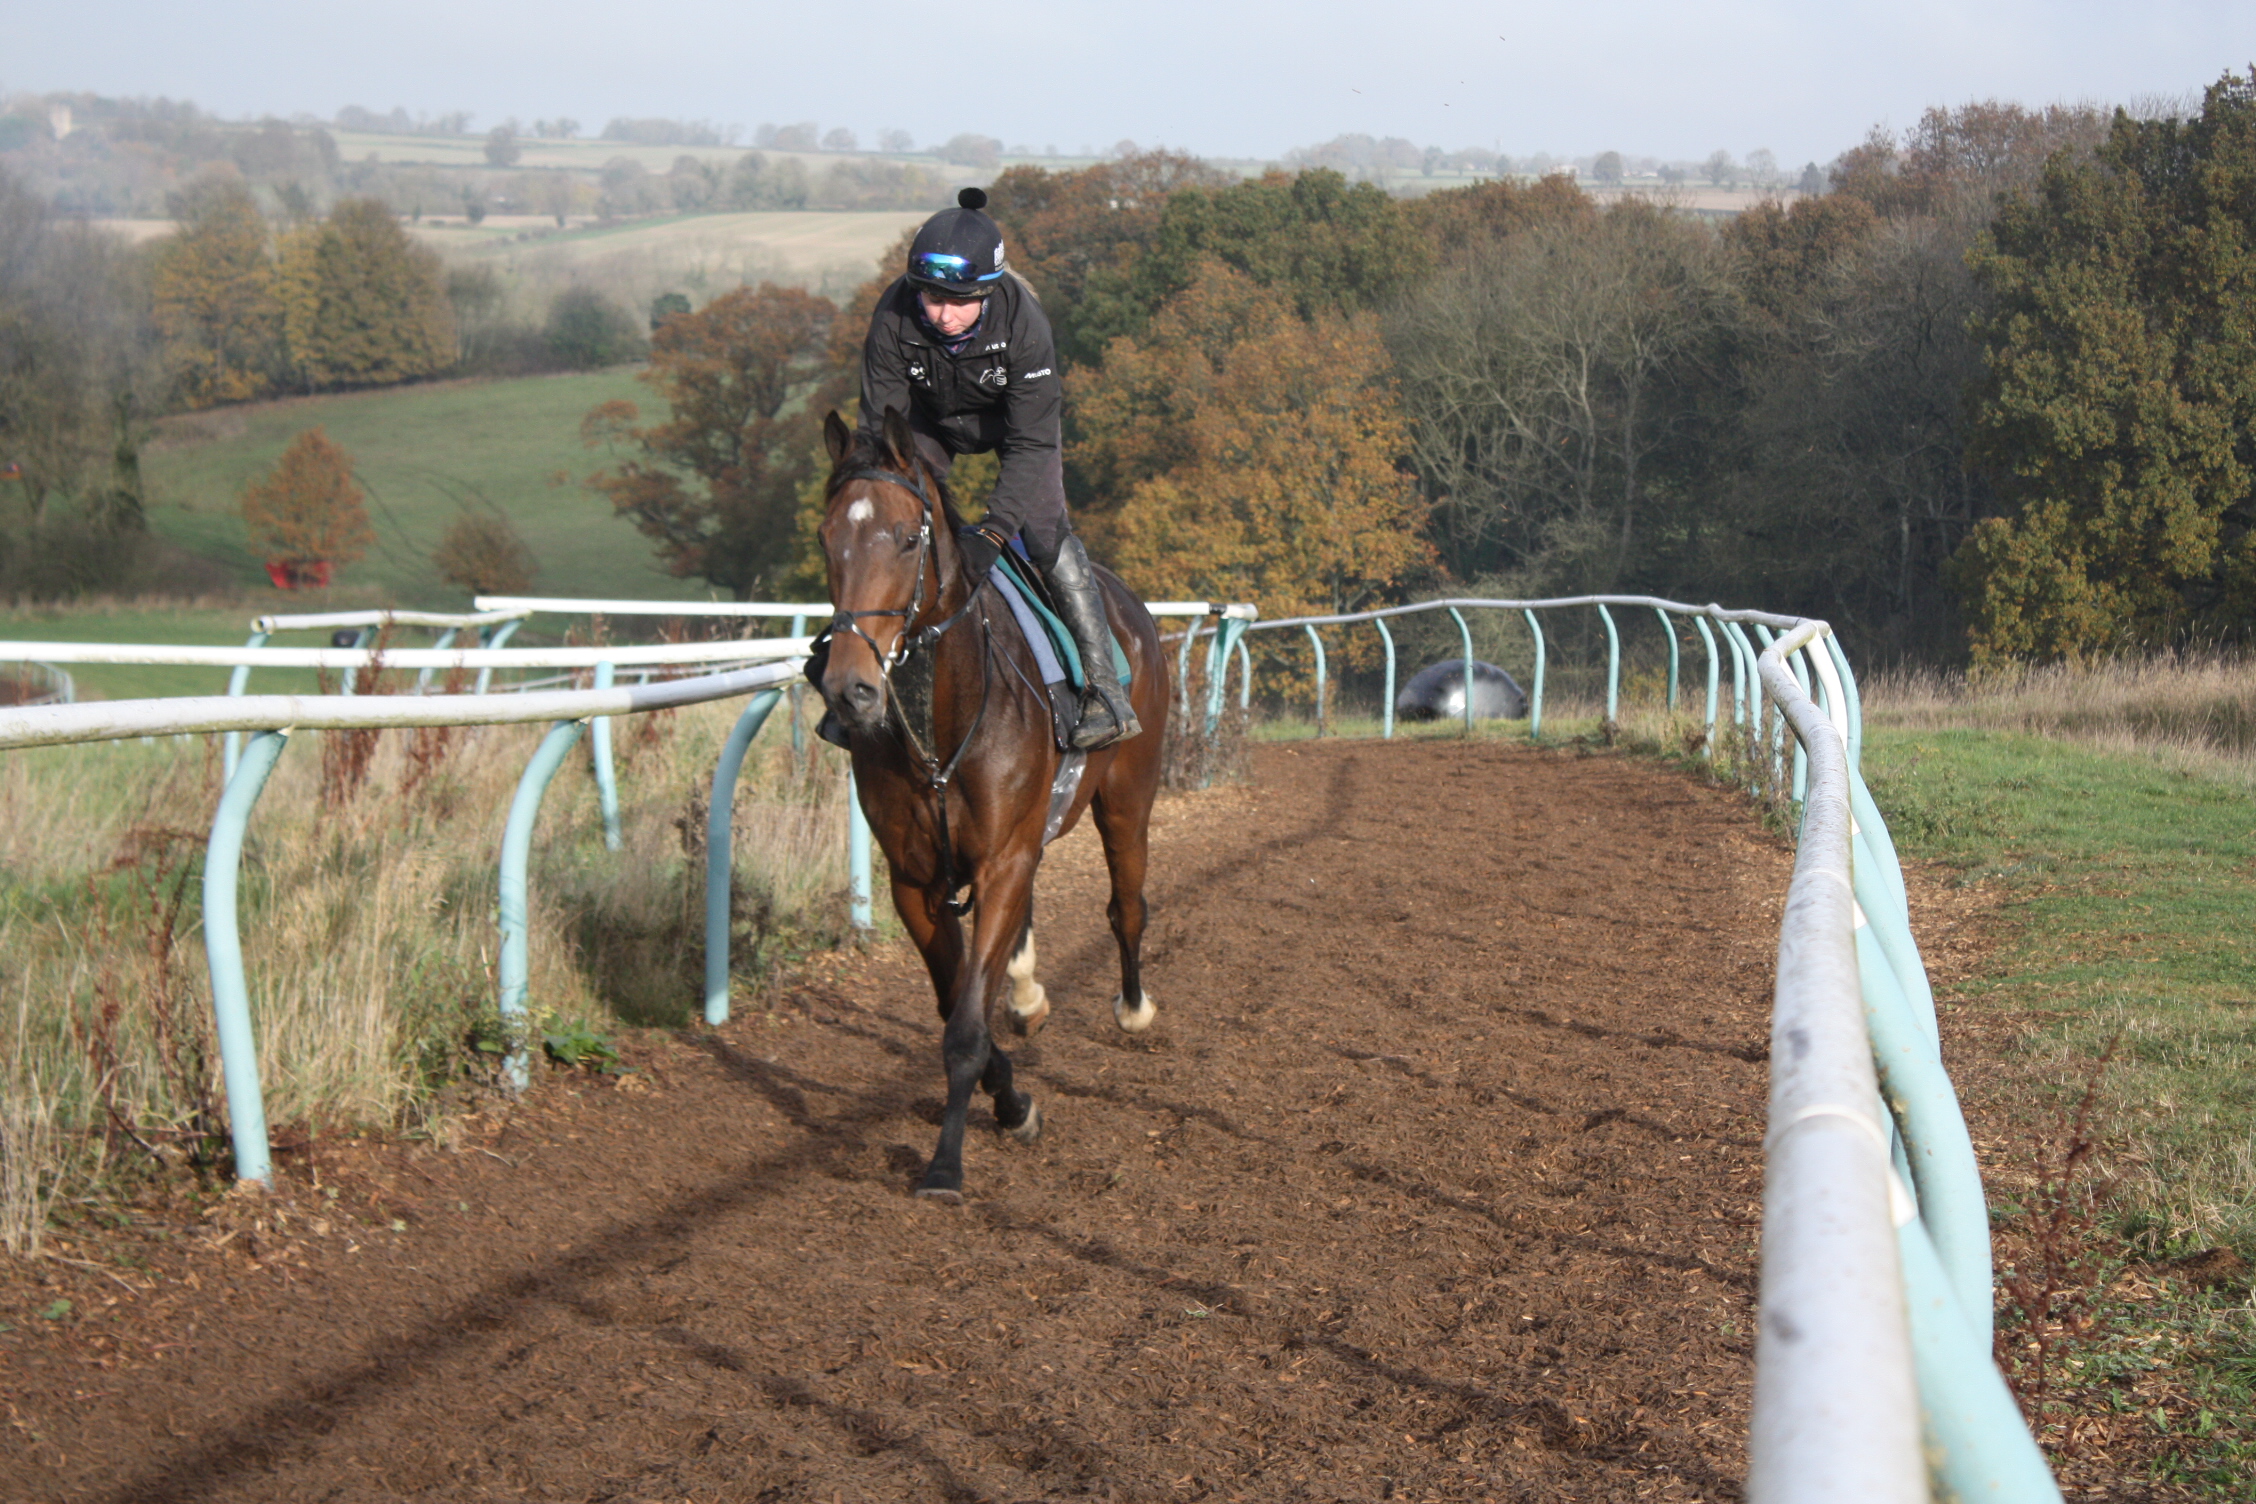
{"points": [[1056, 656]]}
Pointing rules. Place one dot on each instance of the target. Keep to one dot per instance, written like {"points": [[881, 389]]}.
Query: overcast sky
{"points": [[1664, 77]]}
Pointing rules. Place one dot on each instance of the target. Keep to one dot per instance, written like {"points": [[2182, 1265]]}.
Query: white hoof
{"points": [[1133, 1020], [1031, 1129], [1029, 1010]]}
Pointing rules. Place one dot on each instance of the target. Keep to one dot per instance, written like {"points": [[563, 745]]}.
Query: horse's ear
{"points": [[899, 442], [837, 437]]}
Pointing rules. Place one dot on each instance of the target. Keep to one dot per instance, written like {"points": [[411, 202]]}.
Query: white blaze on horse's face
{"points": [[861, 510]]}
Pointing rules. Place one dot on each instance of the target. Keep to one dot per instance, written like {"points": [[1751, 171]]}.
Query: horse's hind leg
{"points": [[1029, 1004], [1127, 840]]}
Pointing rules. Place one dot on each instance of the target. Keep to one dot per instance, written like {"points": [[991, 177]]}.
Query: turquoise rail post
{"points": [[720, 826], [1245, 674], [1707, 640], [1802, 676], [606, 775], [859, 912], [231, 750], [494, 637], [1746, 691], [1183, 665], [446, 640], [1466, 633], [1613, 665], [516, 855], [1386, 706], [1850, 697], [1318, 643], [798, 720], [1668, 630], [1227, 634], [1535, 698], [351, 674], [1775, 736], [223, 949]]}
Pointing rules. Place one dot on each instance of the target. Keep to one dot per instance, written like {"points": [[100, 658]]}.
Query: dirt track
{"points": [[1436, 1179]]}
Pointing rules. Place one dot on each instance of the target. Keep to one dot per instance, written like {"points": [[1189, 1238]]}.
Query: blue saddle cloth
{"points": [[1054, 648]]}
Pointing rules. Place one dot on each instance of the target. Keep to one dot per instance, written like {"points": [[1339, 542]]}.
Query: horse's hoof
{"points": [[1030, 1022], [945, 1195], [1031, 1129], [1133, 1020]]}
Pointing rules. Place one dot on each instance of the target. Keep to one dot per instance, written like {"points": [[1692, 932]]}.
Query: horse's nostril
{"points": [[863, 694]]}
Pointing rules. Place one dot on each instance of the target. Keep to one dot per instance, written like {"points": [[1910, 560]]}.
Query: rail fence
{"points": [[1874, 1379]]}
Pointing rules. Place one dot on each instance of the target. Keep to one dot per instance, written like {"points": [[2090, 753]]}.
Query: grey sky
{"points": [[1250, 79]]}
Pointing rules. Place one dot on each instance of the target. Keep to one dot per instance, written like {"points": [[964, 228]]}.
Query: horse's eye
{"points": [[908, 544]]}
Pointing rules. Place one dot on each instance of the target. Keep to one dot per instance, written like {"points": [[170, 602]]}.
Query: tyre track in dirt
{"points": [[1437, 1178]]}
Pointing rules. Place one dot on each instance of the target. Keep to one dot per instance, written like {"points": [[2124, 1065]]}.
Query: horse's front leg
{"points": [[966, 1048]]}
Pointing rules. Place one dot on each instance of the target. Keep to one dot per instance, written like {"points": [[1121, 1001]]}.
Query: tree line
{"points": [[1989, 395]]}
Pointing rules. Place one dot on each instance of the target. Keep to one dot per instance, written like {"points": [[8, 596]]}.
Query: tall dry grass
{"points": [[368, 918], [2192, 709]]}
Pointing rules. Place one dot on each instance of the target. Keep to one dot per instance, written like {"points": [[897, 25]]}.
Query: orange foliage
{"points": [[306, 510]]}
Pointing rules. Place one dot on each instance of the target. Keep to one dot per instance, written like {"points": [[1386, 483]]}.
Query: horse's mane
{"points": [[867, 453]]}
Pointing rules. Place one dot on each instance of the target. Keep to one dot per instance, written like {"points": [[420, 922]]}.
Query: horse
{"points": [[958, 770]]}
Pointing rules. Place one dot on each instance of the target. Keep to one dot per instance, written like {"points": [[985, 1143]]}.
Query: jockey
{"points": [[960, 346]]}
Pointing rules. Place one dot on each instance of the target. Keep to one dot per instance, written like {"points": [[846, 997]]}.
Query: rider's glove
{"points": [[980, 548]]}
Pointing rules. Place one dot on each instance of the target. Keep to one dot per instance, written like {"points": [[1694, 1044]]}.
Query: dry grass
{"points": [[369, 929], [2195, 711]]}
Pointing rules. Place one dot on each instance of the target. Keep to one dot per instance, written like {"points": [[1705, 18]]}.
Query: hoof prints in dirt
{"points": [[1444, 1185]]}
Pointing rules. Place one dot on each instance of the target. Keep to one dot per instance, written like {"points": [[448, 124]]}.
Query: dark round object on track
{"points": [[345, 637], [1437, 692]]}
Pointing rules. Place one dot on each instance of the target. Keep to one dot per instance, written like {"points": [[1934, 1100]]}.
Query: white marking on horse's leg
{"points": [[1137, 1019], [1029, 1004], [1031, 1129]]}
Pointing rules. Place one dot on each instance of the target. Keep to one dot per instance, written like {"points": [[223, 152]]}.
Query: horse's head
{"points": [[883, 545]]}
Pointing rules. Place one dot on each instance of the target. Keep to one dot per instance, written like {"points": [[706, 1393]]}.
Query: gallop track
{"points": [[1436, 1179]]}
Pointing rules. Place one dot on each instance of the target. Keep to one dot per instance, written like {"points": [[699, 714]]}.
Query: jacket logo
{"points": [[1030, 375], [916, 373], [994, 376]]}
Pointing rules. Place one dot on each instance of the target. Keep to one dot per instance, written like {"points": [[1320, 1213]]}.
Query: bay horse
{"points": [[959, 773]]}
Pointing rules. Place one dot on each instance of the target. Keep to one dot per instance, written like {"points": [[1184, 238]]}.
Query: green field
{"points": [[422, 454]]}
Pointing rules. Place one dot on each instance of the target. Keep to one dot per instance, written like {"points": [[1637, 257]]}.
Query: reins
{"points": [[936, 774]]}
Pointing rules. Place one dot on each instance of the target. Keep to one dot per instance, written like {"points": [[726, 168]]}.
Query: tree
{"points": [[971, 149], [839, 139], [1253, 454], [1762, 166], [2118, 419], [363, 305], [1719, 167], [1608, 167], [586, 330], [1553, 380], [895, 141], [215, 297], [305, 515], [502, 149], [484, 555], [716, 485]]}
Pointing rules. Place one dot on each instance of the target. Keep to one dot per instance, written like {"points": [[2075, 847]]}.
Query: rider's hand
{"points": [[980, 549]]}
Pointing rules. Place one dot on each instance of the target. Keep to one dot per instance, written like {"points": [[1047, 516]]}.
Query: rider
{"points": [[961, 347]]}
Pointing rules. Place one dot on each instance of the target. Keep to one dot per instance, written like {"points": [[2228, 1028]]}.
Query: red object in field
{"points": [[297, 574], [11, 471]]}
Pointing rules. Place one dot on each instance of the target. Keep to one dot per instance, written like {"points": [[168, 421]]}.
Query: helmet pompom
{"points": [[972, 198]]}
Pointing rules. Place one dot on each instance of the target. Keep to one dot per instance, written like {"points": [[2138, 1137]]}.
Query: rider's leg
{"points": [[1105, 713]]}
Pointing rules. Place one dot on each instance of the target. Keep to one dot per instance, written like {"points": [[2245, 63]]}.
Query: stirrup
{"points": [[833, 730], [1105, 720]]}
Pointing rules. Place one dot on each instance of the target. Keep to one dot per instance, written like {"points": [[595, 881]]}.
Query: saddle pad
{"points": [[1045, 632]]}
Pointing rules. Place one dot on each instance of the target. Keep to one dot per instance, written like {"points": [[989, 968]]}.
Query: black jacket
{"points": [[1000, 393]]}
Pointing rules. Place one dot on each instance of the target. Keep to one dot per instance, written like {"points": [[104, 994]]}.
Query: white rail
{"points": [[732, 650]]}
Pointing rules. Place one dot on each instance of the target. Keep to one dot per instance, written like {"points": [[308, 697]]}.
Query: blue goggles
{"points": [[951, 271]]}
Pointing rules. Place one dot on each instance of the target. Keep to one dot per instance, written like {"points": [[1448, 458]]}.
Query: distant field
{"points": [[701, 255], [421, 453]]}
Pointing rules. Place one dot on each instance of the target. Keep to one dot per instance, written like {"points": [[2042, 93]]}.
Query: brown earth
{"points": [[1436, 1179]]}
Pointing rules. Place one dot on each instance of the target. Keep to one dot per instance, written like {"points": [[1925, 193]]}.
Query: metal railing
{"points": [[273, 718], [1874, 1374]]}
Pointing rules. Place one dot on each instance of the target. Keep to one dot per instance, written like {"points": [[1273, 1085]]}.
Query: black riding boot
{"points": [[1105, 714]]}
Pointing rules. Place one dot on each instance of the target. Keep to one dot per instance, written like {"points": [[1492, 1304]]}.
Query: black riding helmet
{"points": [[959, 252]]}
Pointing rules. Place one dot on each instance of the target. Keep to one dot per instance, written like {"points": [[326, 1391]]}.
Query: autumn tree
{"points": [[363, 305], [484, 554], [716, 484], [1254, 454], [305, 515], [2118, 419], [215, 296]]}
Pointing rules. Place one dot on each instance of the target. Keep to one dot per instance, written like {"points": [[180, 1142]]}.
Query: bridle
{"points": [[937, 775]]}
